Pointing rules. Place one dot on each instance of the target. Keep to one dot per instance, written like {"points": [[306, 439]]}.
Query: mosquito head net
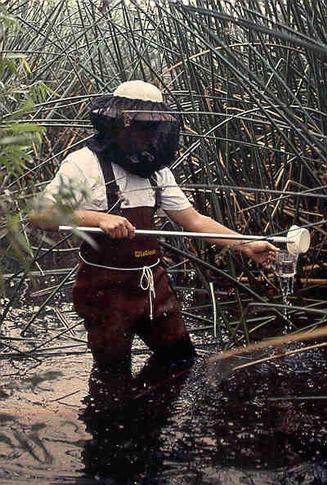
{"points": [[135, 128]]}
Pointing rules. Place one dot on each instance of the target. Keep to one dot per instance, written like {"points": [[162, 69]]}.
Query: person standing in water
{"points": [[121, 288]]}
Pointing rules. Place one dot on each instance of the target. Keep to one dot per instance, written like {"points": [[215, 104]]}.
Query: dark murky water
{"points": [[63, 423], [210, 426]]}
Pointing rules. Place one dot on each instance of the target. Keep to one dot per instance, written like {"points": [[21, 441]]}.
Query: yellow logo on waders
{"points": [[146, 252]]}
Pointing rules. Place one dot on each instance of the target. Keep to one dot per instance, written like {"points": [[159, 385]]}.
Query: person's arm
{"points": [[49, 220], [62, 201], [192, 220], [262, 252]]}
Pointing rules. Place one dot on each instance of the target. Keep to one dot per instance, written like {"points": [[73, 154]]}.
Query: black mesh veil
{"points": [[114, 116]]}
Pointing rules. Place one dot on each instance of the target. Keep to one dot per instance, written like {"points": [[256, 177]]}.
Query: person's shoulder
{"points": [[82, 162], [164, 176], [82, 156]]}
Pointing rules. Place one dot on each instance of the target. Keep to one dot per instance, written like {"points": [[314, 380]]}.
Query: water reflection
{"points": [[211, 425], [125, 416], [266, 418]]}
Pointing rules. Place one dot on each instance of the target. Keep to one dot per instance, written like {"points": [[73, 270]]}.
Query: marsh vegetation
{"points": [[249, 79]]}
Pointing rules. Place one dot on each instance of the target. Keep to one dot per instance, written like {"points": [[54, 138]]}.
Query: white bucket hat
{"points": [[139, 90], [132, 101]]}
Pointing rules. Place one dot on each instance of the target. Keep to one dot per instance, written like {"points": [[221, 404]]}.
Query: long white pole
{"points": [[202, 235]]}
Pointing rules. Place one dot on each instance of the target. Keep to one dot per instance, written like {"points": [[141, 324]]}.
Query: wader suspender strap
{"points": [[112, 189], [157, 190]]}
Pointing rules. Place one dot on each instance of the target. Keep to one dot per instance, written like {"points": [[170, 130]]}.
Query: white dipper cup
{"points": [[298, 240]]}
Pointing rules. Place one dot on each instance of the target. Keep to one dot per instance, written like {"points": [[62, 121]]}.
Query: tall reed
{"points": [[249, 78]]}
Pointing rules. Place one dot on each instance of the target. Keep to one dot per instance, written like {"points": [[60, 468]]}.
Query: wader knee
{"points": [[110, 355], [180, 353]]}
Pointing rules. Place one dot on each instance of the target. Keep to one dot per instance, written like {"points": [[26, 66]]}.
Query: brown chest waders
{"points": [[118, 303]]}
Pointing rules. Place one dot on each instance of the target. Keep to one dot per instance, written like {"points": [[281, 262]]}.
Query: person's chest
{"points": [[134, 191]]}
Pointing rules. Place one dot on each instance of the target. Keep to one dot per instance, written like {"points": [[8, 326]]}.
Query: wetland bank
{"points": [[249, 80]]}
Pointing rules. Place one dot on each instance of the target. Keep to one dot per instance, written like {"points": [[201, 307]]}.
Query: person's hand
{"points": [[116, 226], [261, 252]]}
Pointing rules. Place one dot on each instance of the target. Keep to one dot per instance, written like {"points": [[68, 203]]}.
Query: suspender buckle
{"points": [[121, 197], [126, 119]]}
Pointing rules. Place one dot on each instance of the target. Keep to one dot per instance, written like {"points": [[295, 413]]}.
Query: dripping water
{"points": [[285, 267]]}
